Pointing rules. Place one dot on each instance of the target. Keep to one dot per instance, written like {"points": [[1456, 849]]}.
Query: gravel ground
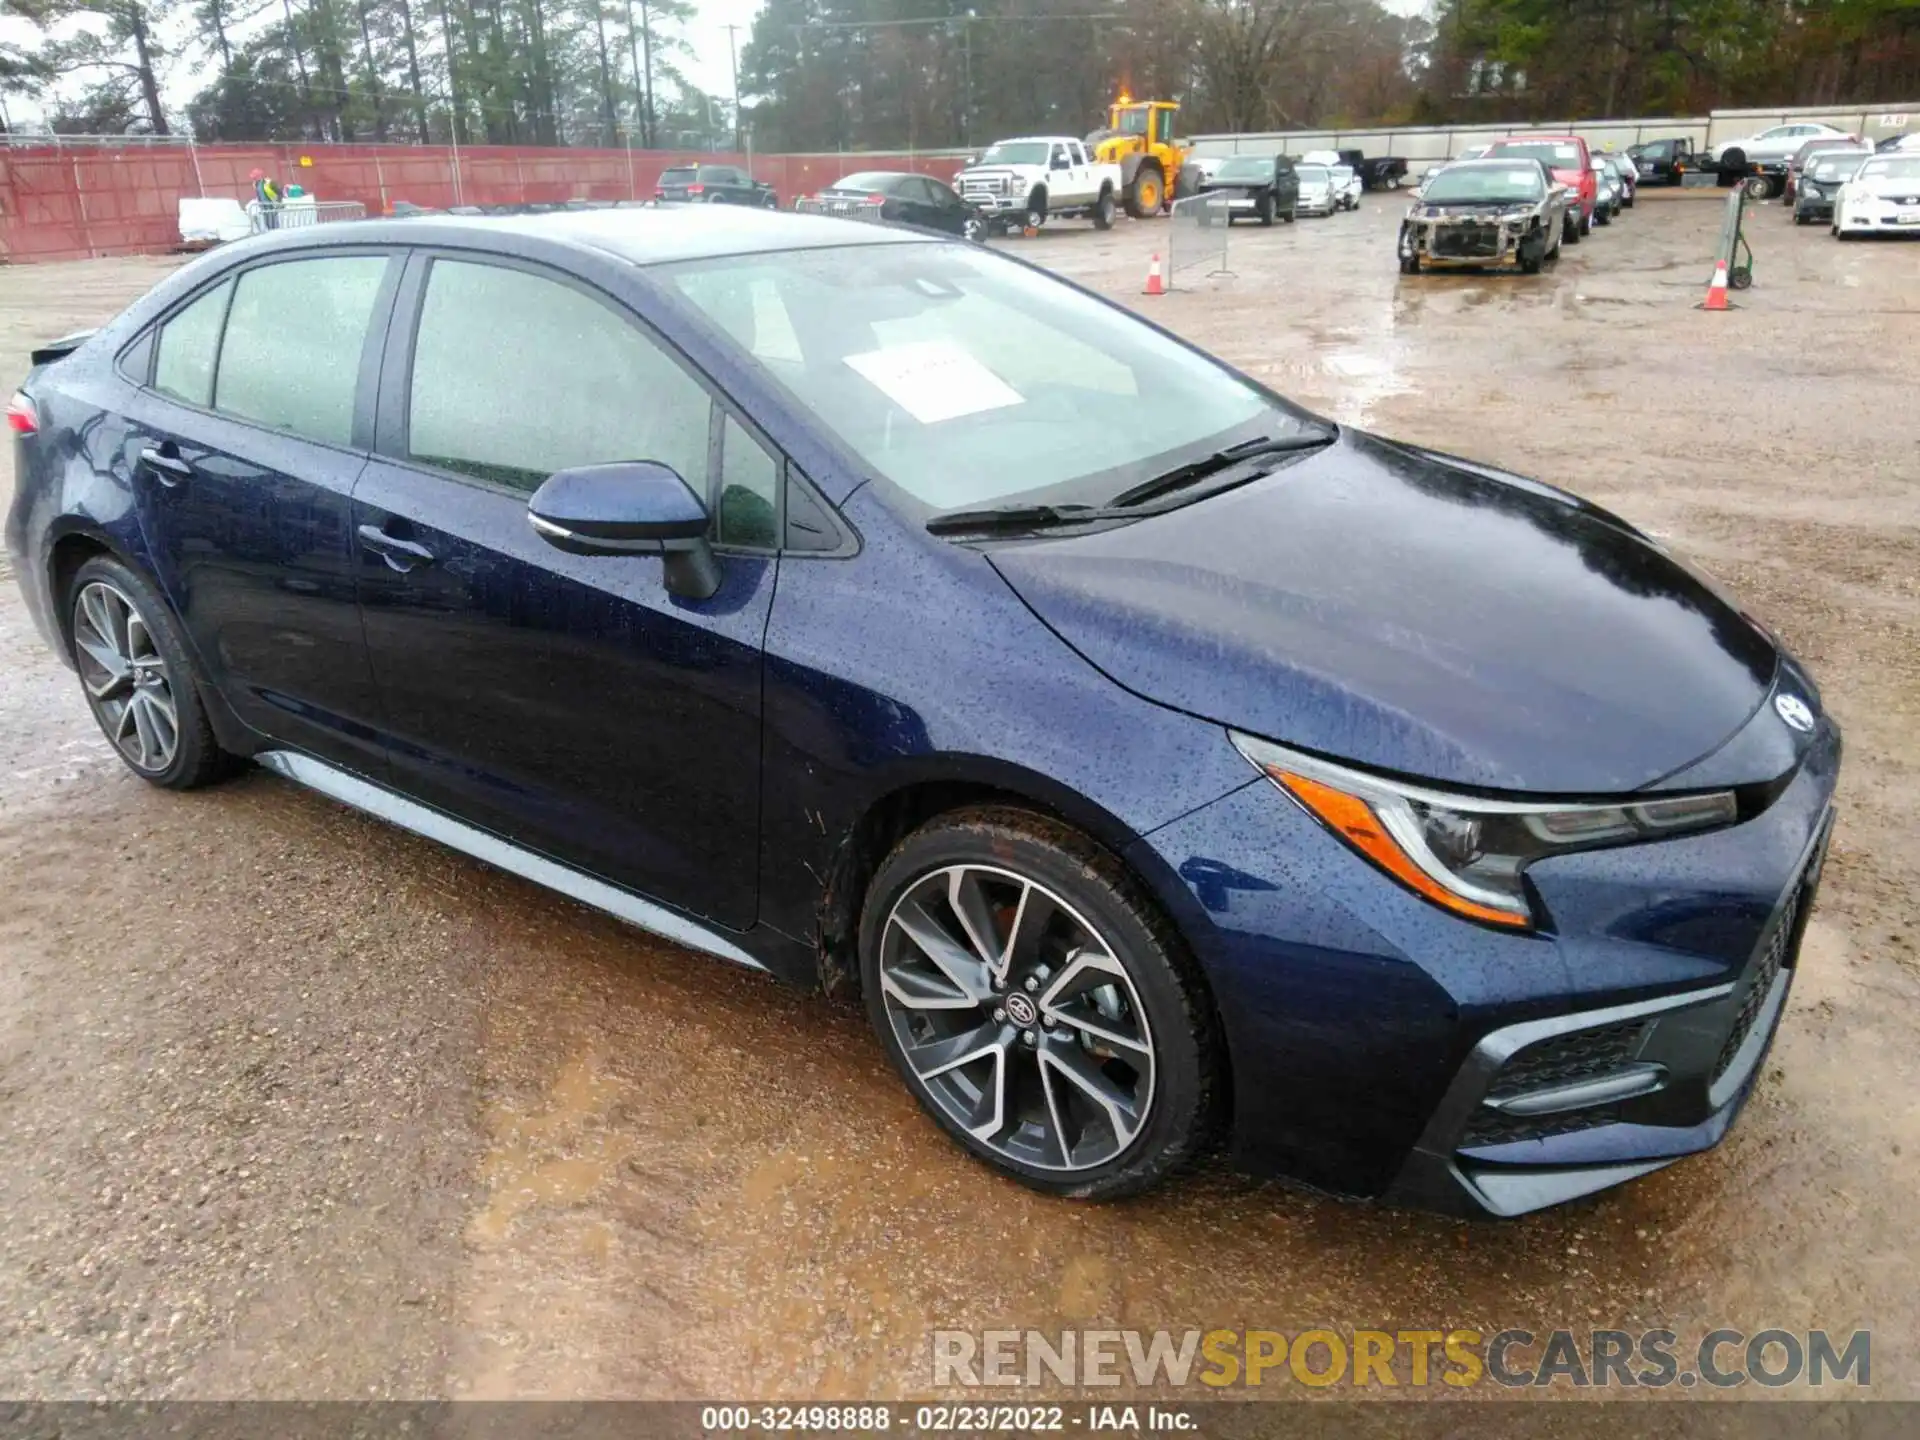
{"points": [[297, 1105]]}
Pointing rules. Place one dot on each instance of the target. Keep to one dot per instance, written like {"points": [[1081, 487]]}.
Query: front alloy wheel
{"points": [[127, 679], [1036, 1005], [1017, 1018]]}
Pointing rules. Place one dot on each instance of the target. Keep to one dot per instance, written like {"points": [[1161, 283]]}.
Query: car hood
{"points": [[1415, 613]]}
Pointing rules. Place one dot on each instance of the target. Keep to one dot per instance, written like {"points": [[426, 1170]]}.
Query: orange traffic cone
{"points": [[1155, 285], [1717, 291]]}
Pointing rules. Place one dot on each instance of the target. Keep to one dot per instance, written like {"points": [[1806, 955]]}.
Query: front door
{"points": [[244, 453], [568, 703]]}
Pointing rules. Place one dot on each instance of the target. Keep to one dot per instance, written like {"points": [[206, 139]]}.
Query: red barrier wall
{"points": [[70, 202]]}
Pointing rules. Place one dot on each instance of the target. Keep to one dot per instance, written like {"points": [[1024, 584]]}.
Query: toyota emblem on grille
{"points": [[1794, 711]]}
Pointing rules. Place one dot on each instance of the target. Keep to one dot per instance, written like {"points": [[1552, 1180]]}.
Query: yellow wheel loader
{"points": [[1139, 139]]}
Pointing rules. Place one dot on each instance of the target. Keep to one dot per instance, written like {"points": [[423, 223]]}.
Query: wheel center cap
{"points": [[1021, 1010]]}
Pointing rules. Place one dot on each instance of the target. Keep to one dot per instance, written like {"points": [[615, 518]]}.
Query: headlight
{"points": [[1465, 853]]}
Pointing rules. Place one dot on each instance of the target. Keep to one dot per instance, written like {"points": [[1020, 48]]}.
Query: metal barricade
{"points": [[1197, 235], [841, 207], [296, 214]]}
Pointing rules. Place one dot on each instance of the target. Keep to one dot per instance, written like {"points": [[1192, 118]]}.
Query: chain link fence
{"points": [[1197, 235]]}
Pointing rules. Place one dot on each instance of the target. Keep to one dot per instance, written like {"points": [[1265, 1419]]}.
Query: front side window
{"points": [[294, 337], [579, 384], [965, 379], [749, 490], [188, 347]]}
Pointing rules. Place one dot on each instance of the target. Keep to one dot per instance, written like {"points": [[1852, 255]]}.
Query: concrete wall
{"points": [[1422, 144]]}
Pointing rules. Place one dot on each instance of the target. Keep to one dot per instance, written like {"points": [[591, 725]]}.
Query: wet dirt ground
{"points": [[294, 1104]]}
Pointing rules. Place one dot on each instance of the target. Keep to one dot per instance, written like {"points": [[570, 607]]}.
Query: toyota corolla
{"points": [[1156, 760]]}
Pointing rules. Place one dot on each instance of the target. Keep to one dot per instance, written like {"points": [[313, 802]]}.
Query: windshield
{"points": [[1560, 155], [1244, 167], [1891, 167], [1016, 152], [1133, 121], [1834, 167], [1314, 175], [967, 379], [1473, 185]]}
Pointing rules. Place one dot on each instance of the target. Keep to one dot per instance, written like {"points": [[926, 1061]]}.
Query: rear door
{"points": [[250, 431], [566, 702]]}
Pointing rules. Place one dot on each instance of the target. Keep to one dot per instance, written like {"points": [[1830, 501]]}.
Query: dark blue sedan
{"points": [[1154, 758]]}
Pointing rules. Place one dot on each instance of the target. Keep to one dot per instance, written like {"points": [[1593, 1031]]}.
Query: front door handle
{"points": [[166, 465], [400, 555]]}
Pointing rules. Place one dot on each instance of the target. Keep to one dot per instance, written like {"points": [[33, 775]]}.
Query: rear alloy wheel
{"points": [[137, 678], [1036, 1006]]}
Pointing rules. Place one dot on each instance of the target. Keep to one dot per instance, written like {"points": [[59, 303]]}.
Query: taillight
{"points": [[696, 189], [22, 418], [876, 199]]}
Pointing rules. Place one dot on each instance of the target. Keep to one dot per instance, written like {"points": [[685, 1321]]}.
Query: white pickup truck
{"points": [[1022, 184]]}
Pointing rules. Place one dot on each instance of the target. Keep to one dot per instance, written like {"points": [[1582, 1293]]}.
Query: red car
{"points": [[1566, 156]]}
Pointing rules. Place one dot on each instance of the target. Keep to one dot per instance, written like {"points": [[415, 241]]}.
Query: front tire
{"points": [[1038, 1005], [1265, 210], [138, 678], [1036, 210]]}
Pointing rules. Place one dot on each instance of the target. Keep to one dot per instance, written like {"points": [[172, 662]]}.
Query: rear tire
{"points": [[139, 679], [954, 988], [1103, 209]]}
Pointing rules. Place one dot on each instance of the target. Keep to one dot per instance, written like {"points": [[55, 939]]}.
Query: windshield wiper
{"points": [[1182, 476], [1016, 518]]}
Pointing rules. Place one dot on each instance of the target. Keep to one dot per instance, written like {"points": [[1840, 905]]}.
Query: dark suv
{"points": [[714, 185]]}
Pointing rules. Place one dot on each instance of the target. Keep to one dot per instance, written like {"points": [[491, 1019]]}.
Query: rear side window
{"points": [[579, 385], [294, 337], [189, 346]]}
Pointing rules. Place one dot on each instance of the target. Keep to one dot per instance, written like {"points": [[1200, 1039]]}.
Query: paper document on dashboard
{"points": [[934, 380]]}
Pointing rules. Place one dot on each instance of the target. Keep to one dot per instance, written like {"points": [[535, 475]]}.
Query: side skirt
{"points": [[482, 845]]}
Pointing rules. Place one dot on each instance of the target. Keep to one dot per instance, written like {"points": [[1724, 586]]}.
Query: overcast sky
{"points": [[710, 68]]}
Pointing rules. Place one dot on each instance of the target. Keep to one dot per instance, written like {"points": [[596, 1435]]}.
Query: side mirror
{"points": [[633, 507]]}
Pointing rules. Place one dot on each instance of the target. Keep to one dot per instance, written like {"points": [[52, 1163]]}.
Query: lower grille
{"points": [[1778, 956], [1490, 1127], [1568, 1059], [1465, 242]]}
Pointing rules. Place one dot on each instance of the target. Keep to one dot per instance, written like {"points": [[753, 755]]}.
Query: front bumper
{"points": [[1888, 217], [1382, 1048], [1810, 205], [1545, 1111], [1463, 242]]}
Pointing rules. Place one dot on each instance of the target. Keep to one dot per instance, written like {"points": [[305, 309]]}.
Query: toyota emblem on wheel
{"points": [[1795, 711], [1021, 1011]]}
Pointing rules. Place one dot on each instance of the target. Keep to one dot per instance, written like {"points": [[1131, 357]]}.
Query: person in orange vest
{"points": [[268, 194]]}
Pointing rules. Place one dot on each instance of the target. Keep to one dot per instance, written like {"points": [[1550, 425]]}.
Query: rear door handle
{"points": [[168, 468], [400, 555]]}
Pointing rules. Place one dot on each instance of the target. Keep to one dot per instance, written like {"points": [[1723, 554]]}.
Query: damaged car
{"points": [[1486, 213]]}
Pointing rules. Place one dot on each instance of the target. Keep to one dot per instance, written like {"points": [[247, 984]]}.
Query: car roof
{"points": [[1497, 162], [643, 234]]}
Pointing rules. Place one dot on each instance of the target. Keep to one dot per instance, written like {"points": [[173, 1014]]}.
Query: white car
{"points": [[1347, 186], [1026, 182], [1778, 142], [1318, 194], [1883, 197]]}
